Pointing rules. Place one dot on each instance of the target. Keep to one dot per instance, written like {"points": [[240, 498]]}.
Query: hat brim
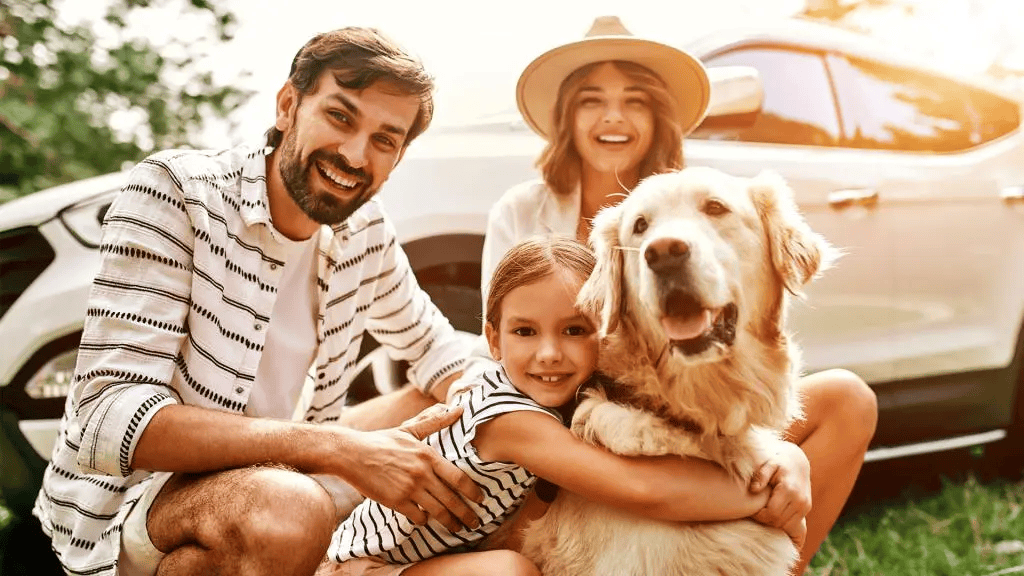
{"points": [[684, 76]]}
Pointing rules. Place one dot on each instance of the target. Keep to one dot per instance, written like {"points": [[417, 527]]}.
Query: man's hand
{"points": [[397, 469], [788, 474]]}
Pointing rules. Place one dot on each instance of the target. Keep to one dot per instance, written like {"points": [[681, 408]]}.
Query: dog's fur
{"points": [[724, 396]]}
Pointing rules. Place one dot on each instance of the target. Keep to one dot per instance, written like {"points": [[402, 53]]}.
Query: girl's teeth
{"points": [[613, 139]]}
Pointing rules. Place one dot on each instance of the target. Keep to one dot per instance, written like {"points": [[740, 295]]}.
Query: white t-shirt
{"points": [[290, 344]]}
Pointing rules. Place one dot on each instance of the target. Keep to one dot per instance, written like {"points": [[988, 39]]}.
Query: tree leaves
{"points": [[75, 102]]}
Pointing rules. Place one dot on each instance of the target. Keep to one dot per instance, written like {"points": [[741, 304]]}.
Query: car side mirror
{"points": [[736, 96]]}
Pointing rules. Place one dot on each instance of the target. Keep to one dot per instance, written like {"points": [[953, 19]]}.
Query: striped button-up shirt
{"points": [[178, 314], [375, 530]]}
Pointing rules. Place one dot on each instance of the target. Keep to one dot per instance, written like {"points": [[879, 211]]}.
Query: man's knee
{"points": [[274, 510]]}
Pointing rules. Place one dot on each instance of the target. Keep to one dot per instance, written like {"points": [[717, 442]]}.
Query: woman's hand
{"points": [[788, 474]]}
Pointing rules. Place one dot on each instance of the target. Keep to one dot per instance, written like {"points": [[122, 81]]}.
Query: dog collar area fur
{"points": [[620, 394]]}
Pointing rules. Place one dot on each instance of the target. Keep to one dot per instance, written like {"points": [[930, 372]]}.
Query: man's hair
{"points": [[358, 57], [559, 162], [531, 260]]}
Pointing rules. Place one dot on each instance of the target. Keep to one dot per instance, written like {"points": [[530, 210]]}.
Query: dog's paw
{"points": [[746, 453]]}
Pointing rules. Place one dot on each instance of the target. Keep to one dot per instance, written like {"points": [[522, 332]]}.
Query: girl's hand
{"points": [[788, 474]]}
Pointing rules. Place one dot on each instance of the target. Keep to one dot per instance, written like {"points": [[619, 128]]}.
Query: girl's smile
{"points": [[547, 347]]}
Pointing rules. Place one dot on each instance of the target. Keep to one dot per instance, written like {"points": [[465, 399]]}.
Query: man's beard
{"points": [[322, 208]]}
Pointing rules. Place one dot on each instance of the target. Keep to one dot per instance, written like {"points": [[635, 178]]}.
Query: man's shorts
{"points": [[138, 556]]}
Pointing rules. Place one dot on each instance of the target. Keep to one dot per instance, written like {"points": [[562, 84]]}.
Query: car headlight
{"points": [[84, 219], [53, 379]]}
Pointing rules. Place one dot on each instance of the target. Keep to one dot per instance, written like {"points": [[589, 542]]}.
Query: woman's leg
{"points": [[841, 412]]}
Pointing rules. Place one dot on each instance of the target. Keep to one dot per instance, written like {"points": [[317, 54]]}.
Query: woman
{"points": [[614, 109]]}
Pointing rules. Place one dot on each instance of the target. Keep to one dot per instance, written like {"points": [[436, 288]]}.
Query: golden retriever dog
{"points": [[690, 290]]}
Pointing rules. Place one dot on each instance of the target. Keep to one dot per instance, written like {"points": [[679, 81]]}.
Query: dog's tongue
{"points": [[687, 328]]}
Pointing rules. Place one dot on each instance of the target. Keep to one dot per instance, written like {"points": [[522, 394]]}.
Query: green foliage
{"points": [[62, 84]]}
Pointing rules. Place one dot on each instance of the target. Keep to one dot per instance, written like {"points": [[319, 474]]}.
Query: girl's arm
{"points": [[661, 487]]}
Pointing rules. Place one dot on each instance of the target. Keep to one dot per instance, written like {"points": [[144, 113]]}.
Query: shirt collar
{"points": [[255, 208]]}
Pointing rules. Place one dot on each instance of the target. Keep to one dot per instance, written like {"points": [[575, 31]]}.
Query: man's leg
{"points": [[259, 520], [841, 414]]}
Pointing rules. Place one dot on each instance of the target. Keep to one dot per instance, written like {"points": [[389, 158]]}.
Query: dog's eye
{"points": [[640, 226], [715, 208]]}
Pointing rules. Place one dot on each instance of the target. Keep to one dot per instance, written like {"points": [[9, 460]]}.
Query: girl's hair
{"points": [[533, 259], [559, 162]]}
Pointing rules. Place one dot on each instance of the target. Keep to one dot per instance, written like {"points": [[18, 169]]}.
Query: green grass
{"points": [[967, 528]]}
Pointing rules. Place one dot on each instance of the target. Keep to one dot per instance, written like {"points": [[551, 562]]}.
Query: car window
{"points": [[897, 108], [798, 106]]}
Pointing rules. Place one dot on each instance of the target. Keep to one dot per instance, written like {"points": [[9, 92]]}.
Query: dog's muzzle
{"points": [[693, 328]]}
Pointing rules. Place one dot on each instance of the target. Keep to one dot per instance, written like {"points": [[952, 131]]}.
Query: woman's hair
{"points": [[358, 57], [559, 162], [531, 260]]}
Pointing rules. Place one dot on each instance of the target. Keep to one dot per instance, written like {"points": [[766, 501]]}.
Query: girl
{"points": [[511, 431], [614, 109]]}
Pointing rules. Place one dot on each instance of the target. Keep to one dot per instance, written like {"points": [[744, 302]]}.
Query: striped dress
{"points": [[374, 530]]}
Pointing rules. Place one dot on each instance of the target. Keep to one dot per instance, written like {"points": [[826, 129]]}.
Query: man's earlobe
{"points": [[286, 102]]}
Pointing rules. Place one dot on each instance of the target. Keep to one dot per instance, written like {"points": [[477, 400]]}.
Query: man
{"points": [[225, 276]]}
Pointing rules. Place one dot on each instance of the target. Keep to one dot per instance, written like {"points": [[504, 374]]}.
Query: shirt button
{"points": [[258, 327], [239, 390], [273, 266]]}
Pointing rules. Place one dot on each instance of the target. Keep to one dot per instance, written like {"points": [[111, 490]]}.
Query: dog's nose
{"points": [[666, 254]]}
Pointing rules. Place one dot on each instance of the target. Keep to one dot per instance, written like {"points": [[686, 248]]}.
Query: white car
{"points": [[918, 176]]}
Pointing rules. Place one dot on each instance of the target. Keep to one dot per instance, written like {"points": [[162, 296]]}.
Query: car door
{"points": [[851, 313], [947, 167]]}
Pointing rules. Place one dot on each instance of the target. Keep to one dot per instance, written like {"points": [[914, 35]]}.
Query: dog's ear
{"points": [[601, 294], [798, 253]]}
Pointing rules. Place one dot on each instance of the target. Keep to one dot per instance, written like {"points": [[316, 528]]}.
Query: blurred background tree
{"points": [[83, 98]]}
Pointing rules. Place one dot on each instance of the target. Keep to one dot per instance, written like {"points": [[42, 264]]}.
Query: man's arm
{"points": [[135, 320], [393, 467], [404, 320], [392, 409]]}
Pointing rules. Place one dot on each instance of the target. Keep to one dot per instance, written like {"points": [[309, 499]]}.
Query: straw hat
{"points": [[608, 39]]}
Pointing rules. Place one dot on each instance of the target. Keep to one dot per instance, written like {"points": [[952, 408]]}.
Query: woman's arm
{"points": [[661, 487]]}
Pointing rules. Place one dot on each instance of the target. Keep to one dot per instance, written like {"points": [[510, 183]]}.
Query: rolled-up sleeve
{"points": [[135, 320], [410, 326]]}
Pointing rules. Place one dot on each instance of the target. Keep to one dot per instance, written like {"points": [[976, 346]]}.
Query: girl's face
{"points": [[548, 348], [614, 122]]}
